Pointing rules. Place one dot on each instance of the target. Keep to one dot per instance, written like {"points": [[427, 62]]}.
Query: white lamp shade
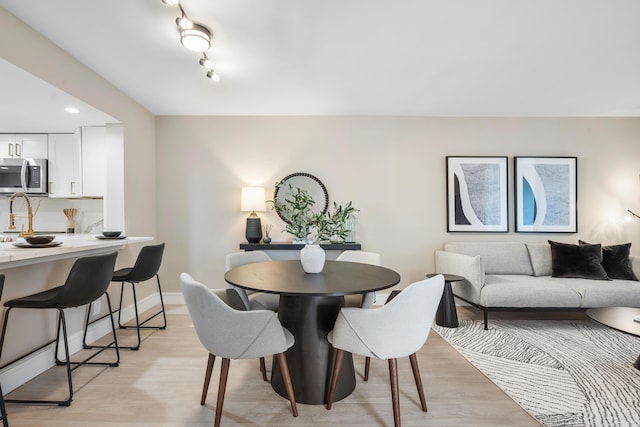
{"points": [[253, 199]]}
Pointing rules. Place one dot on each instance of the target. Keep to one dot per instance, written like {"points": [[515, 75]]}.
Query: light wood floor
{"points": [[160, 385]]}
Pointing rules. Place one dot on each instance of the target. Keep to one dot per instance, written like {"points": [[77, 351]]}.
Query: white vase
{"points": [[312, 258]]}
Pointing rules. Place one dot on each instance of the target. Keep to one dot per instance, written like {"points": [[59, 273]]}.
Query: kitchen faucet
{"points": [[12, 225]]}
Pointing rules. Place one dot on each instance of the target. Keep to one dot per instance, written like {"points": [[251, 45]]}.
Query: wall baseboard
{"points": [[15, 375]]}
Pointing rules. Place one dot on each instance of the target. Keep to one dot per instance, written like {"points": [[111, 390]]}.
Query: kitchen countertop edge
{"points": [[72, 246]]}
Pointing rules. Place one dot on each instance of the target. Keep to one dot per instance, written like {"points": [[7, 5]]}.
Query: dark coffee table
{"points": [[620, 319], [446, 315]]}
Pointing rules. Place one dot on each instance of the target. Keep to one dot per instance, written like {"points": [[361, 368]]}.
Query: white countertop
{"points": [[72, 246]]}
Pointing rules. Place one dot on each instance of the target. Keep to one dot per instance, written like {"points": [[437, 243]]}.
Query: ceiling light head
{"points": [[171, 2], [206, 62], [213, 76], [197, 38], [184, 23], [72, 110]]}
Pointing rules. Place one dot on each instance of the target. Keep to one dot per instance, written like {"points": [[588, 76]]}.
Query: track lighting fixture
{"points": [[195, 37], [206, 63], [184, 23], [213, 76]]}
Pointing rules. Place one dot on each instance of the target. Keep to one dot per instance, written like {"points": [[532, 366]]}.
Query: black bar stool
{"points": [[146, 266], [3, 410], [88, 280]]}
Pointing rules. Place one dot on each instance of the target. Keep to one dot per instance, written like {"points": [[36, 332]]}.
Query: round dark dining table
{"points": [[309, 306]]}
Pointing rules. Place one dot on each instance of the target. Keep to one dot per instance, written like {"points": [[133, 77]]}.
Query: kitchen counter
{"points": [[72, 246]]}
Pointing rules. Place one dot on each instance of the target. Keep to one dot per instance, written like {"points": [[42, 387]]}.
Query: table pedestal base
{"points": [[310, 360], [637, 364], [446, 315]]}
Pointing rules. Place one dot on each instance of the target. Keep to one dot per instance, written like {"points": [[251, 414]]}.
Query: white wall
{"points": [[393, 168]]}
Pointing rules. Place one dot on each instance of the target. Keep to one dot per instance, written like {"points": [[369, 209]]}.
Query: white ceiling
{"points": [[29, 104], [360, 57]]}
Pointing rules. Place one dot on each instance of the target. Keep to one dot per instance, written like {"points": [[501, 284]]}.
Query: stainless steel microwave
{"points": [[25, 175]]}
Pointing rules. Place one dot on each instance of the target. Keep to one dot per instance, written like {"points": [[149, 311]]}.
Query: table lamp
{"points": [[253, 200]]}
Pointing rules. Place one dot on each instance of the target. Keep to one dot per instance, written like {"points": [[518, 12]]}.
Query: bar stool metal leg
{"points": [[141, 325], [3, 411]]}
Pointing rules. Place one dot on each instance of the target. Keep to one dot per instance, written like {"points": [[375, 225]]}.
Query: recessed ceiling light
{"points": [[72, 110]]}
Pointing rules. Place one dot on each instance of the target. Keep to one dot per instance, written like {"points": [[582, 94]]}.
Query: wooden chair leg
{"points": [[263, 369], [416, 376], [207, 378], [224, 372], [284, 368], [367, 364], [395, 394], [334, 377]]}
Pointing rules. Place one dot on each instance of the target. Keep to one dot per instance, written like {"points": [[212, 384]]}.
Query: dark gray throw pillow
{"points": [[616, 262], [578, 261]]}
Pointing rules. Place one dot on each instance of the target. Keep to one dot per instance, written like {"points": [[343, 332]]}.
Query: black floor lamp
{"points": [[252, 200]]}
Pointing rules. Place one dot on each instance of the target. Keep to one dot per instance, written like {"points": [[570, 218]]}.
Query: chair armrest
{"points": [[467, 266]]}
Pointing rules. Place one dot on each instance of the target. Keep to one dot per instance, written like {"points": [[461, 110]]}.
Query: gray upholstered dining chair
{"points": [[366, 300], [233, 334], [252, 300], [397, 329]]}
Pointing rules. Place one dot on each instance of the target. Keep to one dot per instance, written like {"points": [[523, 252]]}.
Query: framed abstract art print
{"points": [[546, 194], [477, 194]]}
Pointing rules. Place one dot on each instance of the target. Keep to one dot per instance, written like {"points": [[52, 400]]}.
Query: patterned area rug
{"points": [[564, 373]]}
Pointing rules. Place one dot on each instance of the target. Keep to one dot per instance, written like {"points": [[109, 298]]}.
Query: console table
{"points": [[288, 246]]}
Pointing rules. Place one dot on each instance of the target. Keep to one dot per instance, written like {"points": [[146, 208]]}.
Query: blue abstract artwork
{"points": [[546, 194]]}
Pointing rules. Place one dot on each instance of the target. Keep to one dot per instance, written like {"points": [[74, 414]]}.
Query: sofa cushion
{"points": [[540, 256], [611, 293], [616, 262], [577, 261], [526, 292], [498, 257]]}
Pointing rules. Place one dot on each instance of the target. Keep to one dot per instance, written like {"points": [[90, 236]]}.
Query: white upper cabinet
{"points": [[18, 146], [65, 160], [78, 163], [94, 161]]}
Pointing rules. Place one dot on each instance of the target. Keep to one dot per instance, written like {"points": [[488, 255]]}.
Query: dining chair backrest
{"points": [[396, 329], [230, 333], [87, 281], [360, 256], [147, 263], [236, 259], [363, 257]]}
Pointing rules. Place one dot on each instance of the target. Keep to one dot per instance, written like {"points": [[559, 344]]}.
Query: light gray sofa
{"points": [[514, 276]]}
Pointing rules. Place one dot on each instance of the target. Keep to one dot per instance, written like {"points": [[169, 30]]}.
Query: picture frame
{"points": [[546, 192], [477, 194]]}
